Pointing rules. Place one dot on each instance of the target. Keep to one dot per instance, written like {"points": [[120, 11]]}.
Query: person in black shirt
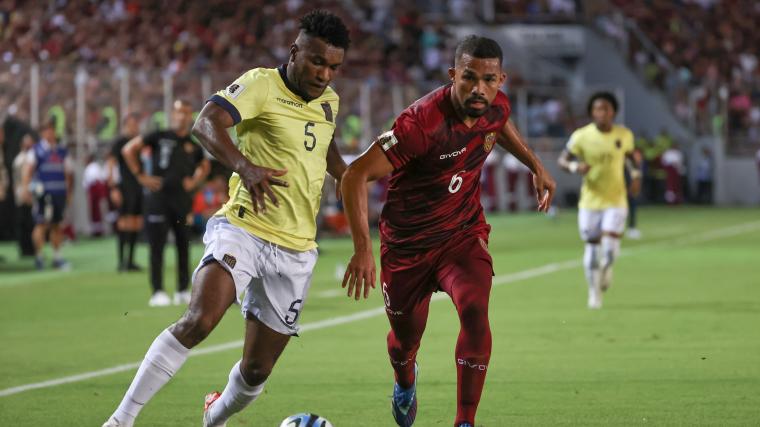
{"points": [[176, 168], [127, 194]]}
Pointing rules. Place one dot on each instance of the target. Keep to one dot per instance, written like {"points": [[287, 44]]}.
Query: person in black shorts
{"points": [[176, 168], [127, 194]]}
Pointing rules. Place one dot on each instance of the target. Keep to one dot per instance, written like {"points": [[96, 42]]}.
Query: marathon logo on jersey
{"points": [[229, 260], [387, 140], [490, 140], [234, 90], [454, 154], [328, 111], [289, 102], [467, 364]]}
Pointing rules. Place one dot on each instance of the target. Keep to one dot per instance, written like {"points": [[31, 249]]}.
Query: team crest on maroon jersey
{"points": [[489, 141]]}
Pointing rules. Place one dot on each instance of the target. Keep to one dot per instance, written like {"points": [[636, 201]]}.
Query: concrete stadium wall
{"points": [[740, 183]]}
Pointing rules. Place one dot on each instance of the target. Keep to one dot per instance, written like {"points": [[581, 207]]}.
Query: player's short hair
{"points": [[478, 47], [607, 96], [326, 26]]}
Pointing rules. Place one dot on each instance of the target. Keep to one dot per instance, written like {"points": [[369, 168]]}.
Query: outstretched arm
{"points": [[211, 131], [513, 142], [370, 166]]}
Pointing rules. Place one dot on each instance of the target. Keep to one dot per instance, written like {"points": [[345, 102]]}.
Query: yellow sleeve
{"points": [[574, 144], [628, 142], [245, 97]]}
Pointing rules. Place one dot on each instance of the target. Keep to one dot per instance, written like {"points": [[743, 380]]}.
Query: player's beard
{"points": [[475, 112]]}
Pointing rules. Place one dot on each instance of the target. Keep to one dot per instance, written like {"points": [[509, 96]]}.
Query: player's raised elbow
{"points": [[197, 129]]}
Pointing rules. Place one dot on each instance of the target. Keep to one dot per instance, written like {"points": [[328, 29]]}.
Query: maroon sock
{"points": [[402, 360], [472, 365], [472, 353]]}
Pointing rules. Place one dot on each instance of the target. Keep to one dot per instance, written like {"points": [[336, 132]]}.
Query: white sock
{"points": [[57, 254], [610, 250], [236, 396], [163, 359], [591, 266]]}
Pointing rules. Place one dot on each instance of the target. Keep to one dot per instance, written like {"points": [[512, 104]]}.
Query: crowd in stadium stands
{"points": [[710, 49], [394, 42], [535, 10]]}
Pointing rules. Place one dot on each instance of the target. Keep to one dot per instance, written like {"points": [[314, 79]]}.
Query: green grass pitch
{"points": [[677, 342]]}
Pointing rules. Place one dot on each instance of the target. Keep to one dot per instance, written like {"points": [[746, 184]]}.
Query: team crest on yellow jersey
{"points": [[489, 141]]}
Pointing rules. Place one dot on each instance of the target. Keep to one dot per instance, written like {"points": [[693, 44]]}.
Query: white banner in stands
{"points": [[547, 40]]}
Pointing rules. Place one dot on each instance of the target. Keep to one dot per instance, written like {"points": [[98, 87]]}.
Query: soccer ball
{"points": [[305, 420]]}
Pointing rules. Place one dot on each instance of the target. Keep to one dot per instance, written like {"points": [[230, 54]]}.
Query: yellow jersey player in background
{"points": [[599, 152], [260, 248]]}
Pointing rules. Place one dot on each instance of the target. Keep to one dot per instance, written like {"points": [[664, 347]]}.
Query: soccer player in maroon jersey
{"points": [[433, 232]]}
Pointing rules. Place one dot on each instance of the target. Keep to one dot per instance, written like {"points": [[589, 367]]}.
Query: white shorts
{"points": [[271, 281], [592, 223]]}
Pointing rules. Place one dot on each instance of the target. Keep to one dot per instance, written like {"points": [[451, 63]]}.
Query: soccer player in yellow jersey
{"points": [[599, 152], [260, 248]]}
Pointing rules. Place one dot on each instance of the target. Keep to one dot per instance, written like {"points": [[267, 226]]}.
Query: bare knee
{"points": [[255, 371], [192, 328]]}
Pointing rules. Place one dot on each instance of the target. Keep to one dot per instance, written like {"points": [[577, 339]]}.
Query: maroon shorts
{"points": [[409, 279]]}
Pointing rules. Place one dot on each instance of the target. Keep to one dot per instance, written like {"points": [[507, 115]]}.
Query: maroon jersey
{"points": [[434, 191]]}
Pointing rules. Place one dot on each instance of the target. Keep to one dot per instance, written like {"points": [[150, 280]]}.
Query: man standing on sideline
{"points": [[177, 167], [259, 253], [127, 195], [50, 169], [433, 232], [598, 152]]}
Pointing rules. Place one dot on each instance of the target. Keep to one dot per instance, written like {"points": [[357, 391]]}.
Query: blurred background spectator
{"points": [[114, 57]]}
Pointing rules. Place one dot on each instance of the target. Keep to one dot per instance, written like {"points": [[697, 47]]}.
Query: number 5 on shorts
{"points": [[295, 310]]}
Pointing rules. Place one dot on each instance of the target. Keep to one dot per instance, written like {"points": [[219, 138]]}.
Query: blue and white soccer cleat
{"points": [[465, 425], [404, 402]]}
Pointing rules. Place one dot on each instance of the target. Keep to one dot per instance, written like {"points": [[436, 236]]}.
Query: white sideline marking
{"points": [[366, 314]]}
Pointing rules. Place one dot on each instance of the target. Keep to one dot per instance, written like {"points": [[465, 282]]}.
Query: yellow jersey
{"points": [[278, 129], [604, 184]]}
